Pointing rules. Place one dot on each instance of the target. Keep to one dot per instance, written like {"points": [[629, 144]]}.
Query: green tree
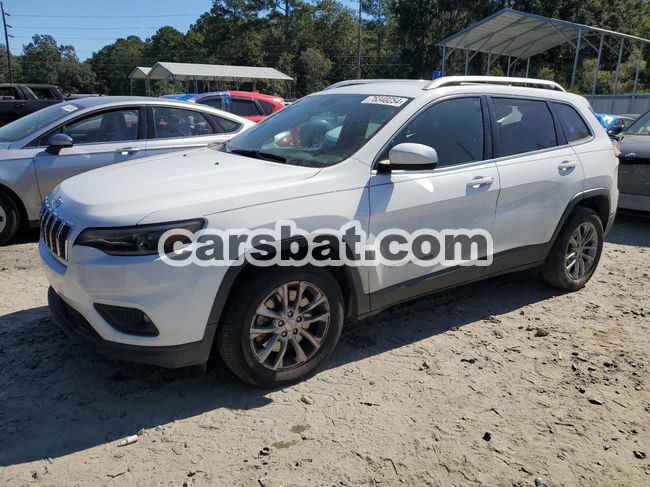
{"points": [[113, 63], [44, 61], [312, 69]]}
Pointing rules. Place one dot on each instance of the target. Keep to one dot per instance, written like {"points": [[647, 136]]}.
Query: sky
{"points": [[91, 24]]}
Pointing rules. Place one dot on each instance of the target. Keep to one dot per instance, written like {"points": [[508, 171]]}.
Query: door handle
{"points": [[566, 165], [128, 150], [479, 181]]}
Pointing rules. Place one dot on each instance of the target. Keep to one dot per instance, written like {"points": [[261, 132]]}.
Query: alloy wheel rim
{"points": [[289, 326], [3, 219], [581, 251]]}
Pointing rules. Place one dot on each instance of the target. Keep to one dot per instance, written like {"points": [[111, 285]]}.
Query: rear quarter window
{"points": [[575, 128]]}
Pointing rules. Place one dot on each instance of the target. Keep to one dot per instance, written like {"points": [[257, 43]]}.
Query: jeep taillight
{"points": [[617, 148]]}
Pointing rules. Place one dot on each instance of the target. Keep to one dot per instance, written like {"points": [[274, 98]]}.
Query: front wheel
{"points": [[281, 325], [576, 252]]}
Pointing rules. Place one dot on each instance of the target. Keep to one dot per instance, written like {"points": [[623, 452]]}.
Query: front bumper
{"points": [[77, 327]]}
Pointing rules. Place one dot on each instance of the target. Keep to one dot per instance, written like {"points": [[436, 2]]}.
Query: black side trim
{"points": [[516, 258], [505, 262], [76, 326]]}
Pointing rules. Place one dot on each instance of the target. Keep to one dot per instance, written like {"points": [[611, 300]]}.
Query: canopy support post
{"points": [[131, 85], [597, 68], [618, 69], [466, 61], [636, 77], [527, 67], [575, 61], [444, 58], [508, 70], [489, 62]]}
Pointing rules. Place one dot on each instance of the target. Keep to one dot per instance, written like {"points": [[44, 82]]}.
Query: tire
{"points": [[9, 218], [558, 270], [255, 357]]}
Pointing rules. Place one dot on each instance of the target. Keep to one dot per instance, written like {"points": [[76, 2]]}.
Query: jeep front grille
{"points": [[55, 232]]}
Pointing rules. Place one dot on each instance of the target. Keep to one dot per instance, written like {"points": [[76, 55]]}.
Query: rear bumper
{"points": [[78, 328]]}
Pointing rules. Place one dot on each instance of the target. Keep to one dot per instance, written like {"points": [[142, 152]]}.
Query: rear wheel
{"points": [[9, 218], [576, 252], [281, 325]]}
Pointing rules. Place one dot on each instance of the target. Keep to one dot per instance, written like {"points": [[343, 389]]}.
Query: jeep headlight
{"points": [[136, 240]]}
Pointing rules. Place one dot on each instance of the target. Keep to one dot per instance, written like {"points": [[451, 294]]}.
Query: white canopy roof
{"points": [[212, 72], [521, 35], [140, 72]]}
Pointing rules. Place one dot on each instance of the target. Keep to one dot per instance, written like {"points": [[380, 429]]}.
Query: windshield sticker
{"points": [[393, 101], [69, 108]]}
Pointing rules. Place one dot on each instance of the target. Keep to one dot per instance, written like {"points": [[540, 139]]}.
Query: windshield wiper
{"points": [[259, 155]]}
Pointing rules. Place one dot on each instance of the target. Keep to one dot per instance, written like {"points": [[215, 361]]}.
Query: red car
{"points": [[252, 105]]}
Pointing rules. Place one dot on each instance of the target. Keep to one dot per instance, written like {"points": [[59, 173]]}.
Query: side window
{"points": [[112, 126], [523, 125], [454, 128], [216, 102], [267, 107], [42, 93], [8, 93], [176, 122], [224, 125], [575, 127], [243, 107]]}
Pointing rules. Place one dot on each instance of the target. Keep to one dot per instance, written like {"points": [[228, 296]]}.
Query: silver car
{"points": [[40, 150]]}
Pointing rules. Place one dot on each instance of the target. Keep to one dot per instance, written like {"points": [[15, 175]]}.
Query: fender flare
{"points": [[356, 300], [575, 201]]}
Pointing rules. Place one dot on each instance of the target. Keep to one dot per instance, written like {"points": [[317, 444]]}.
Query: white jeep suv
{"points": [[520, 158]]}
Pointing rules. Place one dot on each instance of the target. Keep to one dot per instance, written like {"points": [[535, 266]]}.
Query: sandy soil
{"points": [[455, 389]]}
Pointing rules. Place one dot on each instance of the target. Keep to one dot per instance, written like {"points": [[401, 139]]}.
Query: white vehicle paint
{"points": [[321, 163]]}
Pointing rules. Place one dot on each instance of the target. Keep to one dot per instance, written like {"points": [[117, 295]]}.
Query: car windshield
{"points": [[319, 130], [30, 124], [640, 127]]}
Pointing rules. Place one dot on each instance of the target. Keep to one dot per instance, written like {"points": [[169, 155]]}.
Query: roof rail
{"points": [[460, 80], [352, 82]]}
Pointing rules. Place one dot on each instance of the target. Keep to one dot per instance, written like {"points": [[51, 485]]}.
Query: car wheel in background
{"points": [[576, 252], [281, 325], [9, 218]]}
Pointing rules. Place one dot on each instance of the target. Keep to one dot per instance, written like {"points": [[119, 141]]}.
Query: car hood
{"points": [[637, 144], [174, 187]]}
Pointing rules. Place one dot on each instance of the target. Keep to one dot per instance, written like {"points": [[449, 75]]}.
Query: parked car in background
{"points": [[251, 105], [20, 99], [530, 166], [44, 148], [634, 169], [181, 97], [615, 124]]}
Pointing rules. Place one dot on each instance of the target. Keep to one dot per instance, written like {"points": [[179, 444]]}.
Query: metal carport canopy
{"points": [[521, 35], [186, 71], [139, 72]]}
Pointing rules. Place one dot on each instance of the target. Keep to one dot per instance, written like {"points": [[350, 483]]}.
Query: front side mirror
{"points": [[408, 156], [615, 130], [58, 142]]}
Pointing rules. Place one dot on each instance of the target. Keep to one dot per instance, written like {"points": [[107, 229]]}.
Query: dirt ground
{"points": [[505, 382]]}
